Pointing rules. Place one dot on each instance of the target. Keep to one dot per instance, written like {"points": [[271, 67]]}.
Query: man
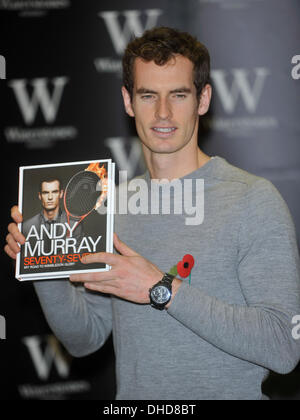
{"points": [[50, 194], [220, 333]]}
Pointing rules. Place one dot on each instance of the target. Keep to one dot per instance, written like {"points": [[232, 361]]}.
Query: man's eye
{"points": [[147, 97], [180, 96]]}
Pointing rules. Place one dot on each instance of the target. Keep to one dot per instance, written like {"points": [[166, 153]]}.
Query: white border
{"points": [[109, 220], [110, 210]]}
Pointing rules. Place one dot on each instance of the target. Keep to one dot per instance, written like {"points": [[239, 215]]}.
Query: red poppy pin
{"points": [[184, 267]]}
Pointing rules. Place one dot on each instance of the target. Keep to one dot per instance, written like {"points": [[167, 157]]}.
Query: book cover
{"points": [[68, 211]]}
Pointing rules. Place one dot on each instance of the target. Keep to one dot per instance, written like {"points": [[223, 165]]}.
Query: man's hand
{"points": [[130, 278], [131, 275], [14, 237]]}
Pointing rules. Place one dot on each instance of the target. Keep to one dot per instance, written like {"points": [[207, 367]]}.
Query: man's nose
{"points": [[163, 110]]}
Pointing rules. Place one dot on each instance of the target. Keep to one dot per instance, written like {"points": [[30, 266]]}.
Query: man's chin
{"points": [[164, 149]]}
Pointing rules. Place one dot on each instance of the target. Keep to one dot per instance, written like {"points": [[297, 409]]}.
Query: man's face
{"points": [[165, 104], [50, 195]]}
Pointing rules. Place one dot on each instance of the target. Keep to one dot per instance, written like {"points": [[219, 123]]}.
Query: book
{"points": [[68, 212]]}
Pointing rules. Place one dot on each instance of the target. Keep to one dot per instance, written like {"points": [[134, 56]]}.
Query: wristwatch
{"points": [[161, 293]]}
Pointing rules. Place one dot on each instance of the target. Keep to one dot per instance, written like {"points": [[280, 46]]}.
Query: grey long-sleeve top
{"points": [[225, 330]]}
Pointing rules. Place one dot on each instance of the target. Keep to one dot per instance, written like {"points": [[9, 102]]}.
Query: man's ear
{"points": [[127, 102], [61, 194], [205, 100], [40, 197]]}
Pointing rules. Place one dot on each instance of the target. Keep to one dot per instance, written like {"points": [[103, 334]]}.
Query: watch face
{"points": [[160, 294]]}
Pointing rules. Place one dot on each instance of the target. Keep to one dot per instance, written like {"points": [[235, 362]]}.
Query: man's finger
{"points": [[101, 257], [93, 277], [14, 230], [9, 252], [12, 244], [16, 215], [124, 249]]}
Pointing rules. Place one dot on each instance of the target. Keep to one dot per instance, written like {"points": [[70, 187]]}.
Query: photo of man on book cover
{"points": [[50, 195]]}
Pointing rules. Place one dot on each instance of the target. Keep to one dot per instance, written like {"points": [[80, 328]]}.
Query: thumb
{"points": [[123, 249]]}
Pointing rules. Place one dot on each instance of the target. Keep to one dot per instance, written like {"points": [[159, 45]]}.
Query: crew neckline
{"points": [[203, 170]]}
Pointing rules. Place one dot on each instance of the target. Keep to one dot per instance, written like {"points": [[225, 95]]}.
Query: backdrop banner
{"points": [[60, 93]]}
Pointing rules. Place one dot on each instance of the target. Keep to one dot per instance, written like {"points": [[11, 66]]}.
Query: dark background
{"points": [[61, 102]]}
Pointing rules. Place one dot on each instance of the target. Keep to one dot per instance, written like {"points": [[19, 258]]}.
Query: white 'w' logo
{"points": [[44, 360], [133, 26], [240, 87], [40, 97]]}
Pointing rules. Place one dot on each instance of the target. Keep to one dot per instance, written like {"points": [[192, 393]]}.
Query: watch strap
{"points": [[168, 278]]}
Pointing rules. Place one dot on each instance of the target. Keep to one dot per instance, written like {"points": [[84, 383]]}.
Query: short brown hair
{"points": [[49, 180], [161, 45]]}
